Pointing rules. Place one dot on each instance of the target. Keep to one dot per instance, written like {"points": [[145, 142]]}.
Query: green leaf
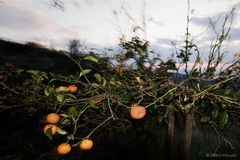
{"points": [[105, 105], [53, 79], [188, 106], [157, 59], [64, 115], [19, 71], [215, 112], [228, 92], [32, 98], [91, 58], [95, 85], [60, 131], [85, 71], [223, 106], [139, 50], [92, 105], [70, 137], [98, 77], [72, 111], [60, 98], [35, 72], [49, 90], [160, 118], [69, 95], [104, 81], [205, 119], [46, 92], [48, 133], [62, 89], [223, 119], [65, 122]]}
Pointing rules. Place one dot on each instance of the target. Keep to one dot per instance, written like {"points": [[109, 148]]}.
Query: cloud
{"points": [[164, 41], [68, 32], [17, 18], [21, 23], [235, 34], [219, 68], [75, 3], [205, 21], [208, 33]]}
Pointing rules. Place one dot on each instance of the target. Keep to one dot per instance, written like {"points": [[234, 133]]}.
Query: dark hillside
{"points": [[34, 56]]}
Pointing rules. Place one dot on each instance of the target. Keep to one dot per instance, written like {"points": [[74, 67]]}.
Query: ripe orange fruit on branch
{"points": [[137, 112], [72, 88], [64, 148], [52, 127], [86, 144], [53, 118]]}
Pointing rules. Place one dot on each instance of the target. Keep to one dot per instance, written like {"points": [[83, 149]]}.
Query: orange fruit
{"points": [[53, 118], [64, 148], [53, 128], [119, 69], [86, 144], [137, 112], [72, 88]]}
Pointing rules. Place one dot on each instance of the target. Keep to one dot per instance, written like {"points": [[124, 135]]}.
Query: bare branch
{"points": [[59, 4]]}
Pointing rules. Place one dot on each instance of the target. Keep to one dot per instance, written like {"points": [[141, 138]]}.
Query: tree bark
{"points": [[170, 133], [187, 135]]}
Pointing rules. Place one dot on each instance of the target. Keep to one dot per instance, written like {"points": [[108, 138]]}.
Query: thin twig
{"points": [[219, 135], [110, 108], [8, 88], [99, 126]]}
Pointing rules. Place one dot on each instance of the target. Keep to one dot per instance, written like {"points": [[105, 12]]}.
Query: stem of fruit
{"points": [[99, 126]]}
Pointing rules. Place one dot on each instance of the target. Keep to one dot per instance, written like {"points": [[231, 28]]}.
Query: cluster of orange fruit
{"points": [[65, 148], [52, 119], [137, 112]]}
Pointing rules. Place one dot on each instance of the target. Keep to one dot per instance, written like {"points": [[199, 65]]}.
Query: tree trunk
{"points": [[170, 133], [187, 135]]}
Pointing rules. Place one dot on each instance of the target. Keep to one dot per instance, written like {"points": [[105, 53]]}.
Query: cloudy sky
{"points": [[100, 22]]}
